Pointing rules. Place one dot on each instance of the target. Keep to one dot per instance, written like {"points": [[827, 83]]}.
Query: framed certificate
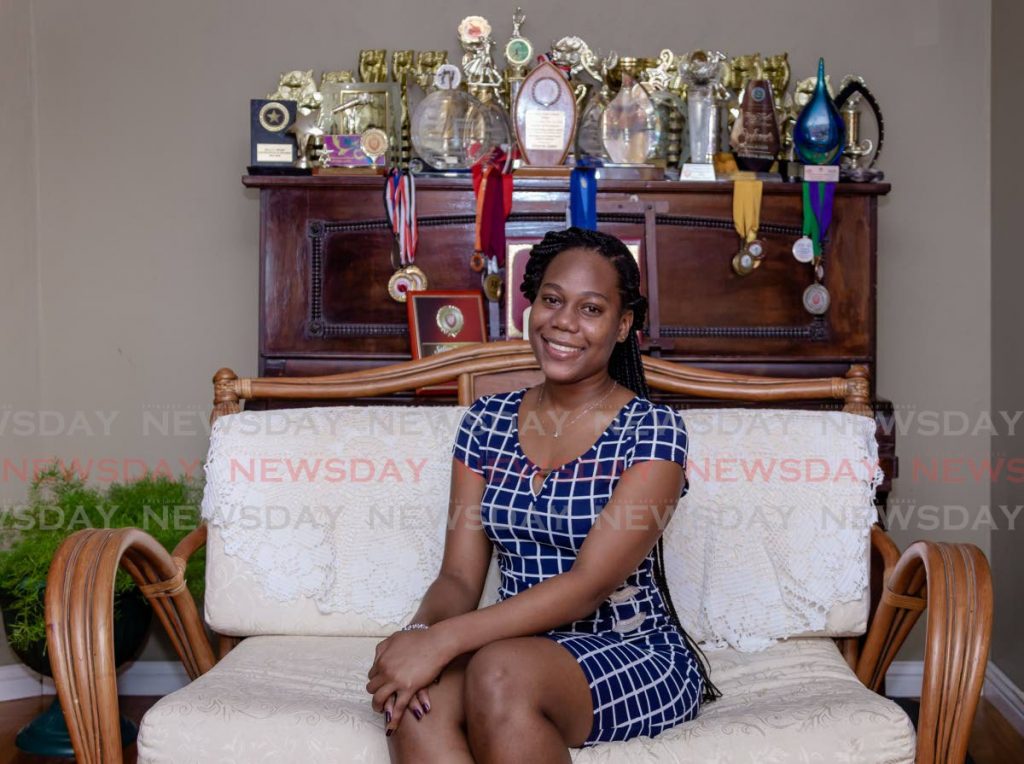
{"points": [[517, 252], [441, 320]]}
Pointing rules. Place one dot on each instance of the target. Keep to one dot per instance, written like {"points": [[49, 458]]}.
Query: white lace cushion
{"points": [[303, 699], [332, 520], [326, 520], [773, 539]]}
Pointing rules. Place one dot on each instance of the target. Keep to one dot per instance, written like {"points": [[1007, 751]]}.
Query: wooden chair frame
{"points": [[951, 581]]}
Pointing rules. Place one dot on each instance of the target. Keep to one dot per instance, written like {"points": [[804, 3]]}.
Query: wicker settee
{"points": [[282, 680]]}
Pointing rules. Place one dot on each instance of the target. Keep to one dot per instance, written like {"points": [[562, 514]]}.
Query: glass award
{"points": [[819, 133], [630, 128], [452, 130]]}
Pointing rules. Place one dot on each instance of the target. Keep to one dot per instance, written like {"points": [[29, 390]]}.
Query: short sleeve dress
{"points": [[643, 678]]}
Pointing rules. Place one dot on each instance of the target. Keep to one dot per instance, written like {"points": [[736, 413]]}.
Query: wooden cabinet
{"points": [[325, 263]]}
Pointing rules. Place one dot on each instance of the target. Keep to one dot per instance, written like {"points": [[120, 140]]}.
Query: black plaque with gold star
{"points": [[272, 149]]}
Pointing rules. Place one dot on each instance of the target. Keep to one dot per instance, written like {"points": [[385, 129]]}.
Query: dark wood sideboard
{"points": [[325, 263]]}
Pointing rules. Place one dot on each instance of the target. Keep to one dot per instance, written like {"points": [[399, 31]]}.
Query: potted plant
{"points": [[60, 503]]}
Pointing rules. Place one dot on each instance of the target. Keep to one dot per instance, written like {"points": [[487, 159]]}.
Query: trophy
{"points": [[298, 86], [859, 153], [755, 134], [482, 77], [305, 129], [272, 147], [818, 132], [373, 65], [702, 72], [630, 126], [452, 130], [518, 52], [545, 120]]}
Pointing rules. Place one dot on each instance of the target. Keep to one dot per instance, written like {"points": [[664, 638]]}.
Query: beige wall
{"points": [[147, 242], [19, 279], [1007, 321]]}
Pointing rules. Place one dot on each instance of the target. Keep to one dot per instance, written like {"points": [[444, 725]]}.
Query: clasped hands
{"points": [[404, 665]]}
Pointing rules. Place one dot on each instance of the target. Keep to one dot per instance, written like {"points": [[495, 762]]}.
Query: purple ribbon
{"points": [[822, 196]]}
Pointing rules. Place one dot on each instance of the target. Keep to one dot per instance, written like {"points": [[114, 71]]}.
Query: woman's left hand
{"points": [[405, 662]]}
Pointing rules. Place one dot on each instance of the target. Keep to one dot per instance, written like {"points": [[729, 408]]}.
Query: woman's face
{"points": [[577, 317]]}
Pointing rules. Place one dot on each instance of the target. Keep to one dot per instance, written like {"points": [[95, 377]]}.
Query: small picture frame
{"points": [[362, 123], [442, 320], [517, 252]]}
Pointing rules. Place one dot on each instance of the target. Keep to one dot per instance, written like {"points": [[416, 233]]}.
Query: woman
{"points": [[574, 481]]}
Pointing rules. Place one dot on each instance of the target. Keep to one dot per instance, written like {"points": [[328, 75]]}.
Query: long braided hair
{"points": [[625, 367]]}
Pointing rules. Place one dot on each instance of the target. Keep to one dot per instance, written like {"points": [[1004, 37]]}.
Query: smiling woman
{"points": [[572, 482]]}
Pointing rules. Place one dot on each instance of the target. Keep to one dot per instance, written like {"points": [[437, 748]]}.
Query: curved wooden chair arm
{"points": [[79, 627], [954, 583]]}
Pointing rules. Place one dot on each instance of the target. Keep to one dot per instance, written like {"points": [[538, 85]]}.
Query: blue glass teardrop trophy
{"points": [[819, 131]]}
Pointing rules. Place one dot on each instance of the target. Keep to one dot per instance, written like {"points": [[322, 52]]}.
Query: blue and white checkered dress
{"points": [[643, 678]]}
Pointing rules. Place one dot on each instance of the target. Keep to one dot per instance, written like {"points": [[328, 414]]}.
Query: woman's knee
{"points": [[496, 682]]}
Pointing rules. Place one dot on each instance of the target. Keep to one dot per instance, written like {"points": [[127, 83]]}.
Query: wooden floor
{"points": [[993, 740]]}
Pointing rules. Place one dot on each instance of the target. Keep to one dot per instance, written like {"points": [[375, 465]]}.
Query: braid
{"points": [[625, 366]]}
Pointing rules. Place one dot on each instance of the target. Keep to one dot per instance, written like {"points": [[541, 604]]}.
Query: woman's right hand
{"points": [[419, 705]]}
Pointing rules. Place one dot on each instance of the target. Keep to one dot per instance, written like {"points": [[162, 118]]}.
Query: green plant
{"points": [[60, 503]]}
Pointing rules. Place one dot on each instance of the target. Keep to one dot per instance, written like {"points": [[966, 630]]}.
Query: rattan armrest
{"points": [[953, 583], [79, 626]]}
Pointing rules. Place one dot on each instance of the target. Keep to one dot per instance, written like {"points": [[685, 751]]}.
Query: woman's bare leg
{"points": [[440, 735], [526, 700]]}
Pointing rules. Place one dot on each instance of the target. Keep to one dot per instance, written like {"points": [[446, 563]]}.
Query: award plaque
{"points": [[545, 117], [444, 320], [272, 147], [755, 135]]}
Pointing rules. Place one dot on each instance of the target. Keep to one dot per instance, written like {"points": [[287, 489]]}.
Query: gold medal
{"points": [[408, 279], [374, 142], [450, 320], [743, 263], [493, 286]]}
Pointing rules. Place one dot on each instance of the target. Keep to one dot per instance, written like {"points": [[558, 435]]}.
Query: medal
{"points": [[406, 279], [400, 203], [493, 286], [816, 299], [450, 320], [803, 249], [492, 185], [746, 215], [743, 263]]}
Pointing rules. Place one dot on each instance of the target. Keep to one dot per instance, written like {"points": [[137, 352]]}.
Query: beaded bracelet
{"points": [[415, 626]]}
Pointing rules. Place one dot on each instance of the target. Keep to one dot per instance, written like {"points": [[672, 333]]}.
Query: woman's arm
{"points": [[467, 553], [624, 534]]}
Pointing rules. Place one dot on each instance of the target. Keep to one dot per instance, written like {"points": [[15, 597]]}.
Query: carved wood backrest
{"points": [[503, 366]]}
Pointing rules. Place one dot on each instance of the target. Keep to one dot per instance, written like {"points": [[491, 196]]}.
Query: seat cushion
{"points": [[303, 699]]}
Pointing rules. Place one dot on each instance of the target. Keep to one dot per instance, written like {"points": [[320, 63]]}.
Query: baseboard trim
{"points": [[904, 680], [139, 678], [1005, 696]]}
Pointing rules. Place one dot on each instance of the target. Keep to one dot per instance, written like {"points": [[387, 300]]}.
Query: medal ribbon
{"points": [[492, 184], [583, 195], [746, 208], [400, 202], [818, 201]]}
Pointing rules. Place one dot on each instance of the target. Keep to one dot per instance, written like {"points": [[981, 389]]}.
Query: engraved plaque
{"points": [[545, 116]]}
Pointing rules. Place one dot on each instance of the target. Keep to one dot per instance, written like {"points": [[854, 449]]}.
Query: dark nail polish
{"points": [[387, 717], [388, 733], [417, 714], [426, 708]]}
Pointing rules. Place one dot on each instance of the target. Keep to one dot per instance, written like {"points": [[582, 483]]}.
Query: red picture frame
{"points": [[441, 320]]}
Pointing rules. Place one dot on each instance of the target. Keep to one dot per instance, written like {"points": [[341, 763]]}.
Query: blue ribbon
{"points": [[583, 196]]}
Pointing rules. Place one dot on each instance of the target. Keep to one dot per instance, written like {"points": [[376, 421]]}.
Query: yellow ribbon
{"points": [[746, 208]]}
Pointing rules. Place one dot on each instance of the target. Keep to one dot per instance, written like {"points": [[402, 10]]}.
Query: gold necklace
{"points": [[590, 407]]}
